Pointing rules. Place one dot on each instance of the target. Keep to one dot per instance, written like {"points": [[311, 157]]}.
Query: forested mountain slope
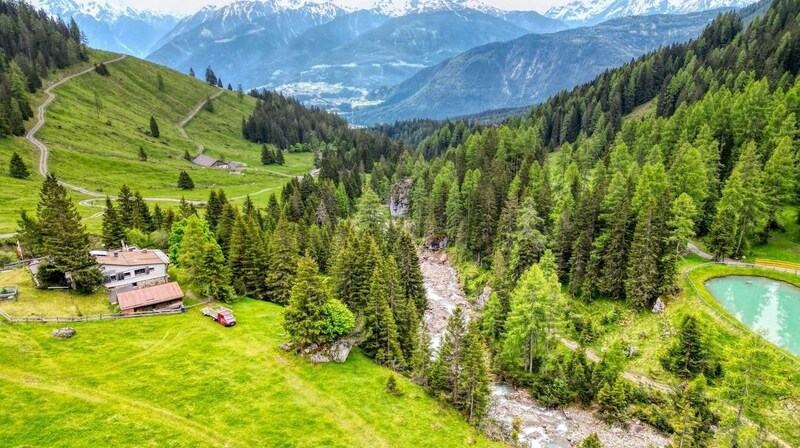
{"points": [[606, 202]]}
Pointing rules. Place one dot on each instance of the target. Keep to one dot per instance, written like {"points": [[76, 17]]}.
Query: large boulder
{"points": [[659, 306], [400, 198], [322, 353], [64, 333]]}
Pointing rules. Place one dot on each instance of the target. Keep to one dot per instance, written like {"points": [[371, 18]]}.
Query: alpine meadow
{"points": [[214, 232]]}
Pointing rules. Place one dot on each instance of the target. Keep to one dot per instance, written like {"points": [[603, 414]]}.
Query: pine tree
{"points": [[247, 257], [160, 82], [267, 156], [154, 132], [211, 78], [421, 362], [528, 240], [410, 274], [225, 226], [445, 370], [781, 175], [612, 401], [192, 247], [142, 155], [306, 309], [692, 420], [282, 263], [474, 376], [17, 168], [643, 286], [742, 211], [191, 72], [371, 215], [214, 206], [64, 238], [213, 275], [689, 355], [279, 157], [381, 340], [185, 182], [526, 326], [113, 229], [681, 230]]}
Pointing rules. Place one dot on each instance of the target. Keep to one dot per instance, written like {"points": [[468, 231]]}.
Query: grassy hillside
{"points": [[96, 125], [186, 381]]}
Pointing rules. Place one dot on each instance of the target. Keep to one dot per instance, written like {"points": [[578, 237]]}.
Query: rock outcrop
{"points": [[64, 333], [400, 198]]}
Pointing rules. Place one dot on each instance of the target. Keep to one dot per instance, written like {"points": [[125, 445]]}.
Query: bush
{"points": [[593, 441], [392, 388], [613, 401], [87, 280], [7, 258], [338, 320]]}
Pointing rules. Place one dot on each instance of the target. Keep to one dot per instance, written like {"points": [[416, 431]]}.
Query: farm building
{"points": [[159, 297], [132, 267], [209, 162]]}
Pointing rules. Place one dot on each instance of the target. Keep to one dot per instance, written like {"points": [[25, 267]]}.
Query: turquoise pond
{"points": [[770, 307]]}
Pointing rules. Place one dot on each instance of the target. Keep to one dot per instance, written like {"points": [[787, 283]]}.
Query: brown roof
{"points": [[149, 296], [206, 161], [133, 258]]}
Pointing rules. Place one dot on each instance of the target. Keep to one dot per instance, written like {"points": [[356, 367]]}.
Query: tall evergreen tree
{"points": [[113, 229], [282, 263], [247, 257], [213, 275], [689, 356], [643, 285], [474, 376], [17, 168], [185, 182], [64, 238], [142, 155], [154, 127], [447, 367], [306, 310], [381, 341], [410, 274]]}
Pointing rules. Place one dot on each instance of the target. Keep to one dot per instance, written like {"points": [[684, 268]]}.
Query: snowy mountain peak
{"points": [[398, 8], [587, 12], [105, 10]]}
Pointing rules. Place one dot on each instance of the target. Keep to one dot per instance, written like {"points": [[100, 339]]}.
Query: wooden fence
{"points": [[90, 318]]}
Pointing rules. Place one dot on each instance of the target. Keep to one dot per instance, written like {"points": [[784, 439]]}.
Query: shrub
{"points": [[338, 320], [392, 388]]}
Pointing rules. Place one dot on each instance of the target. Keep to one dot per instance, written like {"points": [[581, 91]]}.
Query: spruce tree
{"points": [[643, 286], [214, 206], [371, 216], [192, 247], [381, 341], [282, 263], [17, 168], [247, 257], [142, 155], [154, 132], [410, 274], [213, 275], [689, 355], [64, 238], [185, 182], [445, 370], [612, 400], [113, 229], [191, 72], [279, 159], [528, 240], [267, 156], [474, 377], [421, 362], [692, 418], [526, 326], [306, 310], [225, 226]]}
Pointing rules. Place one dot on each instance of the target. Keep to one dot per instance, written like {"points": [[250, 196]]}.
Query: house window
{"points": [[140, 271]]}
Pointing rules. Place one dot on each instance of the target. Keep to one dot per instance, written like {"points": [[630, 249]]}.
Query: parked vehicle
{"points": [[220, 314]]}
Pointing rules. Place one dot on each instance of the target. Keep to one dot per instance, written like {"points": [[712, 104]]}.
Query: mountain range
{"points": [[394, 58], [529, 69], [590, 12], [113, 26]]}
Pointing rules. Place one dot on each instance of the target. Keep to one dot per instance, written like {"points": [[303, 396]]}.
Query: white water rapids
{"points": [[540, 427]]}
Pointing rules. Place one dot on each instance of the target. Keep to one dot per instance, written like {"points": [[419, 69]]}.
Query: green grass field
{"points": [[96, 125], [185, 381], [36, 302]]}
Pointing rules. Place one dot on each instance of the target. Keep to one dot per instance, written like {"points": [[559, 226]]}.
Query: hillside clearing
{"points": [[186, 381]]}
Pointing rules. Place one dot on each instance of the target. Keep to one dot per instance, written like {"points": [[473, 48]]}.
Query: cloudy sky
{"points": [[190, 6]]}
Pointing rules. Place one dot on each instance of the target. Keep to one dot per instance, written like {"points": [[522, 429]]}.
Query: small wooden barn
{"points": [[160, 297]]}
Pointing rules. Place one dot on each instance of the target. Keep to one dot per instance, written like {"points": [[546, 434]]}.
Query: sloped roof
{"points": [[136, 257], [152, 295], [204, 160]]}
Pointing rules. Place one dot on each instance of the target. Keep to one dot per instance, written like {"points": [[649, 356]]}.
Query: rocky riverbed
{"points": [[540, 427]]}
